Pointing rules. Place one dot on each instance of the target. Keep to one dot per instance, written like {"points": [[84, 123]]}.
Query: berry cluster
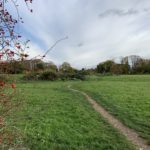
{"points": [[10, 40]]}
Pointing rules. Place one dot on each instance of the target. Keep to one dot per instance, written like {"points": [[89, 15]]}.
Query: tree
{"points": [[142, 66], [66, 68], [16, 67], [10, 49], [51, 66], [40, 66], [133, 59], [125, 65], [10, 43], [105, 67], [117, 69]]}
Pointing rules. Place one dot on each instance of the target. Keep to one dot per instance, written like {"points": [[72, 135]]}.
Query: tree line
{"points": [[128, 65], [48, 70]]}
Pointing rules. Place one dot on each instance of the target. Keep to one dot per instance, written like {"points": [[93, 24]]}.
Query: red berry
{"points": [[13, 86]]}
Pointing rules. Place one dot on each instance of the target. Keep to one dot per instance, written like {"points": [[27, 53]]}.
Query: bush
{"points": [[48, 75], [31, 76], [40, 66], [72, 76], [4, 77], [52, 76]]}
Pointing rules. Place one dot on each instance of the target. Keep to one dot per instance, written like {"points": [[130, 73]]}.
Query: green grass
{"points": [[54, 118], [126, 97]]}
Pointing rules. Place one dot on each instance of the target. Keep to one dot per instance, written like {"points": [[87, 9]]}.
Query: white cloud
{"points": [[91, 39]]}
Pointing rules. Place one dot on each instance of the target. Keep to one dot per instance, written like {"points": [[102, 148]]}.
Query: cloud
{"points": [[146, 10], [118, 12], [91, 40], [80, 44]]}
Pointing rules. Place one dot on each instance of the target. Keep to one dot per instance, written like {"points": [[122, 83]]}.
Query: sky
{"points": [[97, 30]]}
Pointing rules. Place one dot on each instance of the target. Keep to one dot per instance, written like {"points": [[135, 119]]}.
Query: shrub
{"points": [[4, 78], [31, 76], [48, 75], [72, 76], [52, 76], [40, 66], [79, 76]]}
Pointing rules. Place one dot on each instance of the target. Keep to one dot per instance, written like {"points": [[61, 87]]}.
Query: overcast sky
{"points": [[97, 29]]}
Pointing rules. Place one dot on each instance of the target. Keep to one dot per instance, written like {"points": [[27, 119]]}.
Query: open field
{"points": [[54, 117], [58, 119], [74, 75], [126, 97]]}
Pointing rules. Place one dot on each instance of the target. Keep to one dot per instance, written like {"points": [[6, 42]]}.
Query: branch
{"points": [[51, 48]]}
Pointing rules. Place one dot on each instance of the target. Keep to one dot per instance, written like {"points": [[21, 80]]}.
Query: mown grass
{"points": [[54, 118], [126, 97]]}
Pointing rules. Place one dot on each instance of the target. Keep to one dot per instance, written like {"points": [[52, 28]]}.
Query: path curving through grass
{"points": [[130, 134]]}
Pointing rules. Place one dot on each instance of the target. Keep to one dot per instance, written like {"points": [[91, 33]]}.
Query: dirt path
{"points": [[130, 134]]}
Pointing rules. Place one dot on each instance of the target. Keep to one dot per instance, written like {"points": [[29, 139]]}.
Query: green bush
{"points": [[4, 77], [31, 76], [72, 76], [52, 76], [48, 75]]}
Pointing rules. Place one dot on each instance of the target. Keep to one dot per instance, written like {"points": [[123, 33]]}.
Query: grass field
{"points": [[54, 118], [126, 97]]}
